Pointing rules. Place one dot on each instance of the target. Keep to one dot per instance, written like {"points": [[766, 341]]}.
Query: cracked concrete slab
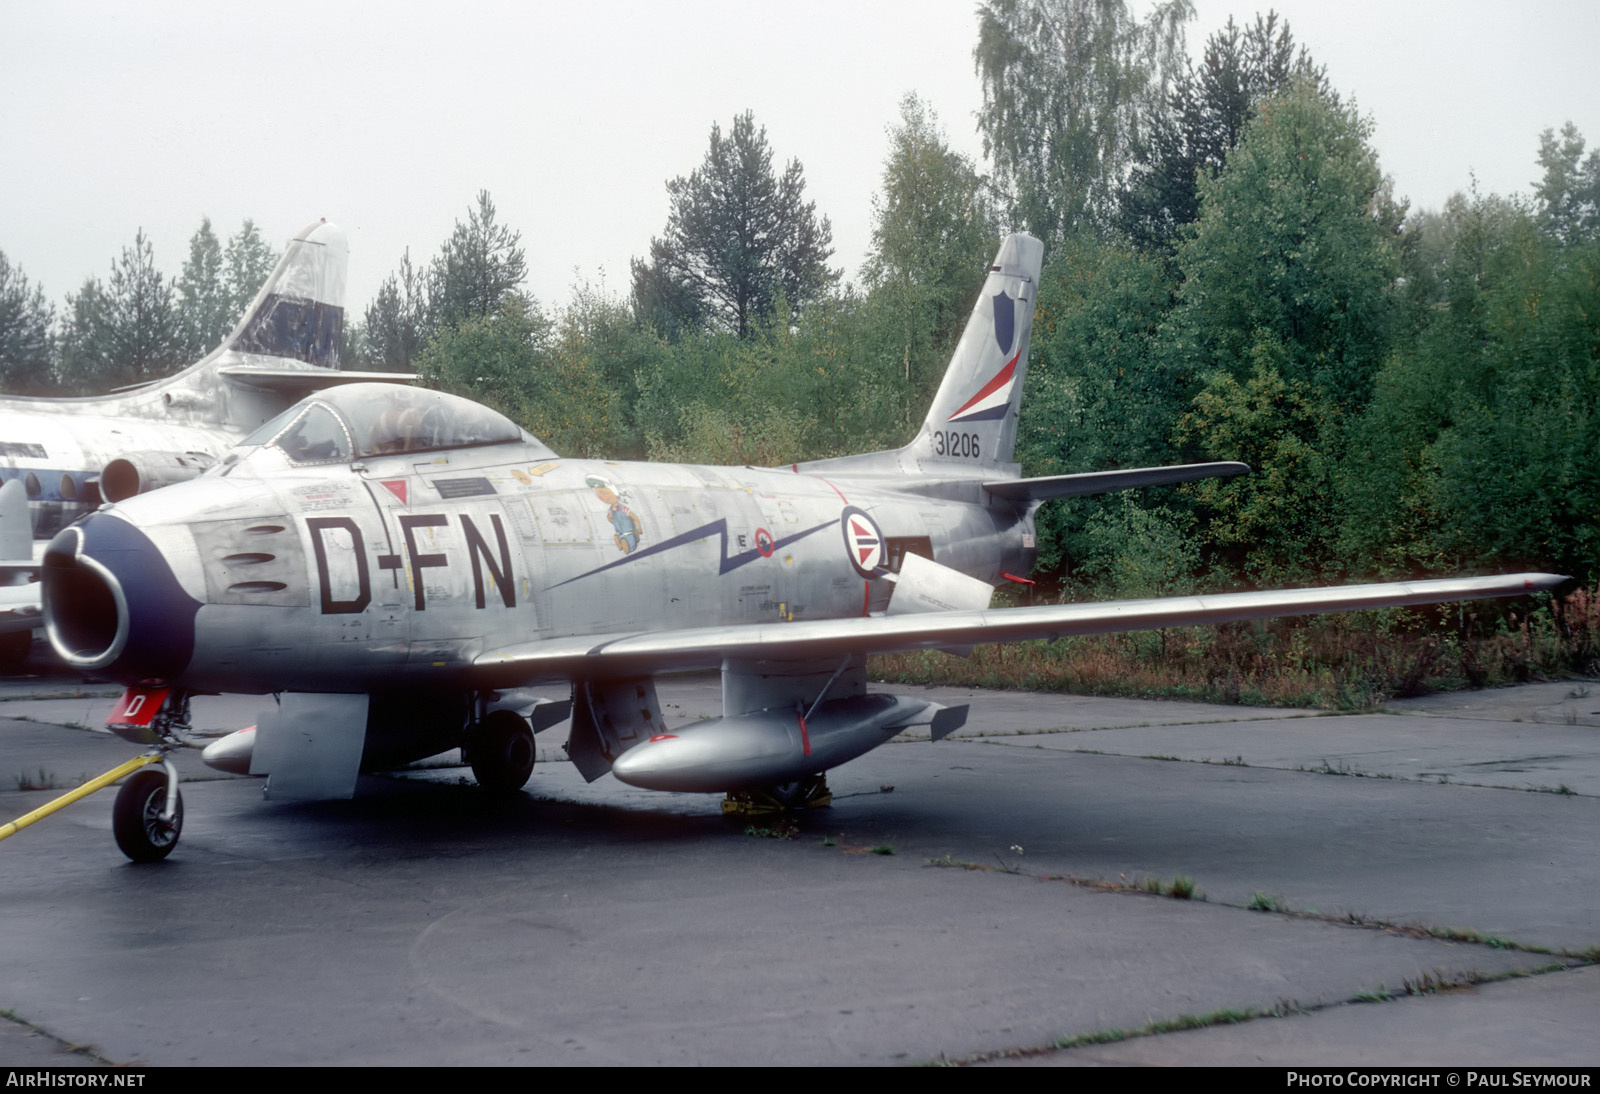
{"points": [[594, 923]]}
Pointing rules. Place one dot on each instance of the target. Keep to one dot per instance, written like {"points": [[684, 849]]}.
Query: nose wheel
{"points": [[139, 818]]}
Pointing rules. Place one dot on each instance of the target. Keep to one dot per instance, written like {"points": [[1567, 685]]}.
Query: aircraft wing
{"points": [[640, 653]]}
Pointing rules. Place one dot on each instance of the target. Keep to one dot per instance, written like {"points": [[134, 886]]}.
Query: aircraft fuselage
{"points": [[337, 577]]}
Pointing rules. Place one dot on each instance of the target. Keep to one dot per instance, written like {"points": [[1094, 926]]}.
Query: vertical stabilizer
{"points": [[299, 312], [973, 420], [972, 426]]}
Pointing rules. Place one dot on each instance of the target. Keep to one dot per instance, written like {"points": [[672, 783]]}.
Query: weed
{"points": [[780, 830], [1349, 661], [1266, 902], [829, 841], [43, 779], [1427, 984], [1182, 888], [881, 849]]}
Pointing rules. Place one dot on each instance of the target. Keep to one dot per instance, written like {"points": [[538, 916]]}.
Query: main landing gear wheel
{"points": [[501, 752], [136, 818]]}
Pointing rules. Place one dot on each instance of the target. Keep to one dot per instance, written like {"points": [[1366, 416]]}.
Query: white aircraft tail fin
{"points": [[299, 312], [973, 420], [971, 428]]}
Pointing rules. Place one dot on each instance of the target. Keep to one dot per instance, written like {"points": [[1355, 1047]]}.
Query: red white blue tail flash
{"points": [[993, 399]]}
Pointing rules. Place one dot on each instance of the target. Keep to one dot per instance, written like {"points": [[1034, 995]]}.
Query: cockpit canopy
{"points": [[359, 421]]}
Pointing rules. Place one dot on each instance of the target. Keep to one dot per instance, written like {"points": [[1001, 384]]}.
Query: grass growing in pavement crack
{"points": [[64, 1047], [1426, 984]]}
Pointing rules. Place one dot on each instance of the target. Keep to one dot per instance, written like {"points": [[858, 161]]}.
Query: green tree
{"points": [[737, 237], [1477, 449], [1100, 394], [1569, 194], [934, 230], [1191, 133], [1297, 246], [125, 331], [247, 262], [1066, 86], [493, 359], [541, 374], [205, 315], [392, 330], [25, 342], [1277, 524], [477, 271]]}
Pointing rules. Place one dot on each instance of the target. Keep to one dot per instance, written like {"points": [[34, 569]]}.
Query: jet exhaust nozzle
{"points": [[142, 472]]}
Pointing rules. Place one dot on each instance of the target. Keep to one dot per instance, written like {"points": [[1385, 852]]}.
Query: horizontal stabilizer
{"points": [[1101, 482], [299, 381]]}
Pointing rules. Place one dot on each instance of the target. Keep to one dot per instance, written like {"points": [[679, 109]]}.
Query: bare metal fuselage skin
{"points": [[402, 570]]}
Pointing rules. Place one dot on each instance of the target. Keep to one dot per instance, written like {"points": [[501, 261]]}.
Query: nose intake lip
{"points": [[112, 604], [86, 613]]}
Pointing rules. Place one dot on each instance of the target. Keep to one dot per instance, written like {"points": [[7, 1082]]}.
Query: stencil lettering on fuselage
{"points": [[344, 576]]}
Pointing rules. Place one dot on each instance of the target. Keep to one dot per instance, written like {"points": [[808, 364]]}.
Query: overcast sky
{"points": [[389, 118]]}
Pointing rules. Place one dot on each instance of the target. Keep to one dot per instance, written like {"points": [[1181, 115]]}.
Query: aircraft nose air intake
{"points": [[112, 604]]}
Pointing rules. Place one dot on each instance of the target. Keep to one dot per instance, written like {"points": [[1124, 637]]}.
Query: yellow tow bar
{"points": [[82, 792]]}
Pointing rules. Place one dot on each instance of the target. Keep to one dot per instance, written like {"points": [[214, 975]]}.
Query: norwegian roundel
{"points": [[863, 542]]}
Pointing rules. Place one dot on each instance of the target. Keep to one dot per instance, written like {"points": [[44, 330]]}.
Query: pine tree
{"points": [[25, 342], [738, 236]]}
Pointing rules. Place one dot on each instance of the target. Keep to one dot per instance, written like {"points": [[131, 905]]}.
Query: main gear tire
{"points": [[501, 751]]}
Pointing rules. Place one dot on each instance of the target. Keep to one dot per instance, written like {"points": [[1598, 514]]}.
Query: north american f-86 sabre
{"points": [[394, 564]]}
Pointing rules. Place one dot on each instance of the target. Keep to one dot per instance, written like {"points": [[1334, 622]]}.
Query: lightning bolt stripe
{"points": [[718, 528]]}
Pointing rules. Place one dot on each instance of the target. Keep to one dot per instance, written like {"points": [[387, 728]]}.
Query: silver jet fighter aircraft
{"points": [[393, 564]]}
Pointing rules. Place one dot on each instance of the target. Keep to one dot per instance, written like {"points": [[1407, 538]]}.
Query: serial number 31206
{"points": [[955, 444]]}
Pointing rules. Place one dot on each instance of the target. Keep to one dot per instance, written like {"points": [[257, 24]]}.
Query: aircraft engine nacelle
{"points": [[770, 747], [142, 472]]}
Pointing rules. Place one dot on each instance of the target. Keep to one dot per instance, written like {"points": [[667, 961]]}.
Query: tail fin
{"points": [[973, 420], [299, 312], [972, 426]]}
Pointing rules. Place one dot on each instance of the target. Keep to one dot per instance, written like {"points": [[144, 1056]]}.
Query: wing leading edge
{"points": [[644, 653]]}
